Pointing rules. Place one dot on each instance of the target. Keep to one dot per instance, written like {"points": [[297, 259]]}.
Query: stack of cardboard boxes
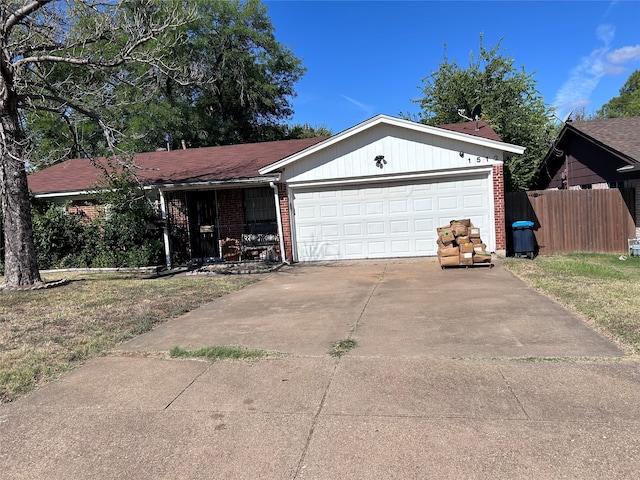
{"points": [[459, 243]]}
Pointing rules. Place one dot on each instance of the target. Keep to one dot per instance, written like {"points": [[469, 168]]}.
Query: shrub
{"points": [[123, 235]]}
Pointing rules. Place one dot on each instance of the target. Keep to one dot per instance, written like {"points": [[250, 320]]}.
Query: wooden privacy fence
{"points": [[575, 220]]}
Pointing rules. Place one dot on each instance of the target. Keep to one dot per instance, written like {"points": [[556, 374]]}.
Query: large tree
{"points": [[627, 104], [235, 85], [54, 56], [510, 103]]}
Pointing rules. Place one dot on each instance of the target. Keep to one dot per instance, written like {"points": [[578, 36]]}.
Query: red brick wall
{"points": [[231, 218], [498, 202], [283, 194], [86, 208]]}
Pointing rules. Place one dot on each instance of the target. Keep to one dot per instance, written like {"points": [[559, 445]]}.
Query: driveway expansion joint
{"points": [[513, 393]]}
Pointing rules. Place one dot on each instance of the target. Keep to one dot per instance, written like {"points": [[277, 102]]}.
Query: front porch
{"points": [[225, 224]]}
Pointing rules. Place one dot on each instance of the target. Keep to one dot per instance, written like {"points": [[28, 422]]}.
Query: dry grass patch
{"points": [[46, 332], [601, 287]]}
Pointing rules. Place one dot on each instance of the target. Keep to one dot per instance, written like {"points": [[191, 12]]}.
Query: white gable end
{"points": [[405, 152]]}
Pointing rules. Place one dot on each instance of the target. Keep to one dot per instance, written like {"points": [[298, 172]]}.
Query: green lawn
{"points": [[601, 287]]}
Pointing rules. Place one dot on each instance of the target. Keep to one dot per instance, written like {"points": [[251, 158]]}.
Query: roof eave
{"points": [[217, 183], [230, 183]]}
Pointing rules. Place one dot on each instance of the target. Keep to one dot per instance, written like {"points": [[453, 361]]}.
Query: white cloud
{"points": [[585, 76], [624, 55], [367, 109], [605, 33]]}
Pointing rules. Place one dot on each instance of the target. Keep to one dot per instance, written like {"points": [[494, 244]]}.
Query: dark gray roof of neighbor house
{"points": [[190, 166], [619, 134]]}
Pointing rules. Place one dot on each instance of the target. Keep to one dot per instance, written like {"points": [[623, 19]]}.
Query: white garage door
{"points": [[385, 220]]}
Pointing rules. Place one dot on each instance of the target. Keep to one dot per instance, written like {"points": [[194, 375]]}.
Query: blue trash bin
{"points": [[523, 238]]}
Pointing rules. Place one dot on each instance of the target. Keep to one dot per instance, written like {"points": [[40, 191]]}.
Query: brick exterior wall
{"points": [[231, 219], [498, 205], [283, 195], [85, 208]]}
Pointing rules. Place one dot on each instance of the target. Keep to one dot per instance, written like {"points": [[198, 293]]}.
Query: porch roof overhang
{"points": [[216, 184], [167, 187]]}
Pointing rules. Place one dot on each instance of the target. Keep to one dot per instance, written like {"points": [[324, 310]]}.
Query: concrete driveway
{"points": [[456, 374]]}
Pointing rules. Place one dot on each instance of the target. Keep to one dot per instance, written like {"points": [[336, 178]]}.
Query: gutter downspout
{"points": [[276, 199], [165, 228]]}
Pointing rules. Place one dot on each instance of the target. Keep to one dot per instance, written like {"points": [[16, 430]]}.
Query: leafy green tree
{"points": [[230, 82], [306, 131], [510, 103], [67, 58], [627, 104]]}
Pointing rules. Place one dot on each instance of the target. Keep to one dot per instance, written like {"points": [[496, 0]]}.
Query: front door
{"points": [[202, 222]]}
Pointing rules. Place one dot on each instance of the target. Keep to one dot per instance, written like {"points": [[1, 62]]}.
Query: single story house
{"points": [[595, 154], [378, 189]]}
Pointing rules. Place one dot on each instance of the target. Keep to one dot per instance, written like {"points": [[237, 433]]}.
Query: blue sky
{"points": [[369, 57]]}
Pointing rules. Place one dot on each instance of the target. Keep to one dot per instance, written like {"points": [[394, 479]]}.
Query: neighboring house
{"points": [[378, 189], [603, 153]]}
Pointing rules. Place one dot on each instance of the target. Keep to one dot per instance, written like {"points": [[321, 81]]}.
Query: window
{"points": [[260, 210]]}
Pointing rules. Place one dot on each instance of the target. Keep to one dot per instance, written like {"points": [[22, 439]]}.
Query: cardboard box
{"points": [[482, 258], [465, 221], [466, 247], [448, 251], [474, 232], [463, 239], [449, 261], [466, 258], [479, 247], [446, 227], [446, 233], [459, 229]]}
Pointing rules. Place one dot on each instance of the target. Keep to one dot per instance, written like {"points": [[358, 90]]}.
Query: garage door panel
{"points": [[375, 228], [400, 247], [305, 213], [473, 201], [423, 205], [423, 225], [308, 232], [352, 229], [398, 206], [329, 211], [448, 203], [374, 208], [351, 210], [399, 226], [330, 231], [354, 250], [376, 248], [392, 220]]}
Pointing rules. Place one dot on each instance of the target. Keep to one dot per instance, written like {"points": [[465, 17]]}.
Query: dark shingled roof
{"points": [[209, 164], [619, 134], [484, 130]]}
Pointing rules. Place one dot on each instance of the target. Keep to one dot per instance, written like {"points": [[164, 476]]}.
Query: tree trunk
{"points": [[20, 261]]}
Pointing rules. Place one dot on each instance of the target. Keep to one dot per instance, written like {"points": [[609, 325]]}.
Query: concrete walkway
{"points": [[447, 381]]}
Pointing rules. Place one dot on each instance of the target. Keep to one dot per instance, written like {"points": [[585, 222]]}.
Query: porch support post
{"points": [[276, 199], [165, 228]]}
